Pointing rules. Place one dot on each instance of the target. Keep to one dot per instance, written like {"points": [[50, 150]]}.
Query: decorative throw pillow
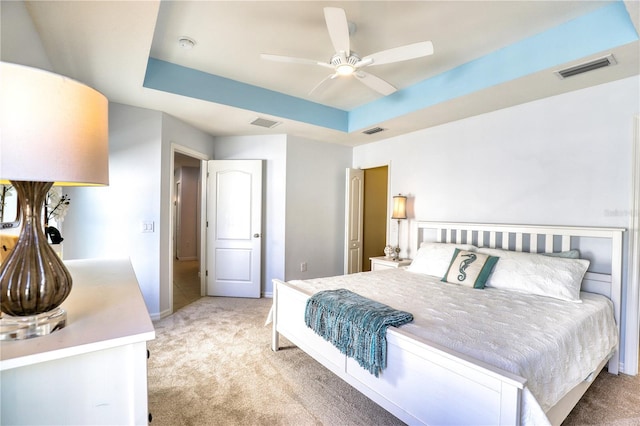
{"points": [[434, 258], [469, 269], [569, 254]]}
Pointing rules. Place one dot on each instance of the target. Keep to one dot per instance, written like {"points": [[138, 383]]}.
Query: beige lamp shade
{"points": [[52, 129], [399, 207]]}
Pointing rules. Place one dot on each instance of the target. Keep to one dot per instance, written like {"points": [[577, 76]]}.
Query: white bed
{"points": [[435, 375]]}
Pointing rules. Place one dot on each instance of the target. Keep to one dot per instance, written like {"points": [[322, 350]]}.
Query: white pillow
{"points": [[434, 258], [555, 277]]}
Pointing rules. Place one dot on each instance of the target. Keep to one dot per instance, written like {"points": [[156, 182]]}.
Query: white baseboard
{"points": [[158, 316]]}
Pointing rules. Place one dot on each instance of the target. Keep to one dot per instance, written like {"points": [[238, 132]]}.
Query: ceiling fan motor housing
{"points": [[344, 65]]}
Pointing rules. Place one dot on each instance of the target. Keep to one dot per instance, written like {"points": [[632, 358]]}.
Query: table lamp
{"points": [[399, 213], [53, 131]]}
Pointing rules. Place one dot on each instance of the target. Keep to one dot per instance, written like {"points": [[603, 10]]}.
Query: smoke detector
{"points": [[186, 43]]}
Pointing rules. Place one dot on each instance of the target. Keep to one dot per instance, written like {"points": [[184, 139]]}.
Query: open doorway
{"points": [[374, 220], [366, 209], [186, 256]]}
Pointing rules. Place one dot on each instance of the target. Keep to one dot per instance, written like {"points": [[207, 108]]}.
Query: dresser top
{"points": [[105, 309]]}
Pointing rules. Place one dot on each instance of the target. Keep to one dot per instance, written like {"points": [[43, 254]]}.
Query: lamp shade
{"points": [[399, 207], [52, 129]]}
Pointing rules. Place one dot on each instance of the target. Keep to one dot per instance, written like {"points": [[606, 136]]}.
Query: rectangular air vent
{"points": [[373, 130], [263, 122], [587, 66]]}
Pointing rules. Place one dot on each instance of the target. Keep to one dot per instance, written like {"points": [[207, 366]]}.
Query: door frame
{"points": [[389, 206], [632, 334], [176, 148], [389, 195]]}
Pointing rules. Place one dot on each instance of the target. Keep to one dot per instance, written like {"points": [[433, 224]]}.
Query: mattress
{"points": [[554, 344]]}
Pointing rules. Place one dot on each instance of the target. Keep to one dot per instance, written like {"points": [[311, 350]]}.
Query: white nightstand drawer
{"points": [[382, 262]]}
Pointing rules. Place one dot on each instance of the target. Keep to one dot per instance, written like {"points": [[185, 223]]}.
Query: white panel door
{"points": [[234, 220], [353, 217]]}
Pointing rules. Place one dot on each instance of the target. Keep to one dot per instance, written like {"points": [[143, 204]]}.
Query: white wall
{"points": [[107, 221], [303, 203], [272, 149], [561, 160], [564, 160], [19, 40], [315, 207]]}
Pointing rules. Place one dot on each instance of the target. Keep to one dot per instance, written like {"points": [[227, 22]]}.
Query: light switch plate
{"points": [[147, 226]]}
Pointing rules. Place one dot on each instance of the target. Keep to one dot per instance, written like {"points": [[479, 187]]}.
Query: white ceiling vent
{"points": [[373, 130], [587, 66], [263, 122]]}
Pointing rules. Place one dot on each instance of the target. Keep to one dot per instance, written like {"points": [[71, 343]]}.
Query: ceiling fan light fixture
{"points": [[344, 65], [345, 69]]}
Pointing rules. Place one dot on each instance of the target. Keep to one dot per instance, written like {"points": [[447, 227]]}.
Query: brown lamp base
{"points": [[33, 279]]}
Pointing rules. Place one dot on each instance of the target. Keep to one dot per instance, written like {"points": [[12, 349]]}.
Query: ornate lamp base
{"points": [[33, 279], [20, 328]]}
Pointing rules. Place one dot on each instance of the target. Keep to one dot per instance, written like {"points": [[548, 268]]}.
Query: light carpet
{"points": [[211, 364]]}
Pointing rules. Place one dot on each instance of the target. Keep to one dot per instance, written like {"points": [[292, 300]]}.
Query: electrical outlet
{"points": [[303, 267]]}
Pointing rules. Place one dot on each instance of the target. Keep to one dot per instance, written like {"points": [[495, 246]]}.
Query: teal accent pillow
{"points": [[569, 254], [469, 269]]}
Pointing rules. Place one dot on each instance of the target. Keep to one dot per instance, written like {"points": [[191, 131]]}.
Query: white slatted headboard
{"points": [[539, 239]]}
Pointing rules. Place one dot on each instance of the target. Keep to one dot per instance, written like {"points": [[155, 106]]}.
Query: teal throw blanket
{"points": [[356, 325]]}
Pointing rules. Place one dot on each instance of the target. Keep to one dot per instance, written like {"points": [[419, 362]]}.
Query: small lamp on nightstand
{"points": [[53, 130], [399, 213]]}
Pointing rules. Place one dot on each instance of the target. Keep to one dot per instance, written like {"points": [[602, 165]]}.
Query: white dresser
{"points": [[93, 371]]}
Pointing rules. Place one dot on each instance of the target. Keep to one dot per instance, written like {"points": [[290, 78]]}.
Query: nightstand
{"points": [[382, 262]]}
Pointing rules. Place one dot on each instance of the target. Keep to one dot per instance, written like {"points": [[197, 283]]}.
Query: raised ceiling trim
{"points": [[172, 78], [598, 31], [601, 30]]}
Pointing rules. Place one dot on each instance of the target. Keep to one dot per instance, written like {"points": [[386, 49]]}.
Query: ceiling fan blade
{"points": [[376, 83], [338, 28], [401, 53], [289, 59], [322, 83]]}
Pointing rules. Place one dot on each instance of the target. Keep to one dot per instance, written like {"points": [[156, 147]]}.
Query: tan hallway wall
{"points": [[374, 214]]}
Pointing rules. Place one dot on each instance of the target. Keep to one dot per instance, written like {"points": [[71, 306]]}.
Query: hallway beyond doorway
{"points": [[186, 284]]}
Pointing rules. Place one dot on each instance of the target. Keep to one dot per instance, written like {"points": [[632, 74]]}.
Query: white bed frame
{"points": [[425, 383]]}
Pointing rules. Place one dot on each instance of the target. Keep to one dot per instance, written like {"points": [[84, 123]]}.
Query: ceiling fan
{"points": [[345, 62]]}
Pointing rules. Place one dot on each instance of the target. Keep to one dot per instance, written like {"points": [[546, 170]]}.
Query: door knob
{"points": [[256, 235]]}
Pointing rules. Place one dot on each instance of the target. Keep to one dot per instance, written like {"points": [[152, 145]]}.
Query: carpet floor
{"points": [[211, 364]]}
